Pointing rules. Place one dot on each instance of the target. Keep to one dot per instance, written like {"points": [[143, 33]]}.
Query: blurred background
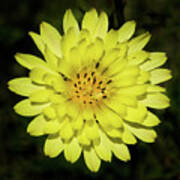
{"points": [[21, 156]]}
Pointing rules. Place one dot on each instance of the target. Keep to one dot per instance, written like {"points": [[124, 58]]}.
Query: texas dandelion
{"points": [[93, 92]]}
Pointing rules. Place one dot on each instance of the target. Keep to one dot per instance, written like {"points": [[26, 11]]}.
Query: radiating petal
{"points": [[151, 120], [53, 146], [144, 134], [51, 37], [90, 20], [156, 59], [110, 39], [38, 41], [91, 159], [36, 126], [72, 151], [103, 148], [23, 86], [160, 75], [29, 61], [126, 31], [26, 108], [69, 21], [128, 137], [138, 43], [102, 26], [156, 100], [155, 88], [121, 151]]}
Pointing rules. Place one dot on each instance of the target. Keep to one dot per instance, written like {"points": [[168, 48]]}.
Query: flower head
{"points": [[93, 91]]}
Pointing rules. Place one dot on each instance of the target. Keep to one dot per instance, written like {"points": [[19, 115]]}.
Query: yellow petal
{"points": [[49, 112], [138, 43], [143, 77], [128, 138], [40, 96], [126, 31], [51, 127], [103, 148], [144, 134], [137, 57], [155, 88], [26, 108], [82, 138], [51, 37], [156, 100], [38, 41], [108, 117], [90, 20], [111, 39], [23, 86], [151, 120], [36, 126], [136, 114], [160, 75], [121, 151], [91, 159], [91, 130], [136, 90], [66, 131], [156, 60], [53, 146], [69, 21], [72, 151], [102, 26], [29, 61]]}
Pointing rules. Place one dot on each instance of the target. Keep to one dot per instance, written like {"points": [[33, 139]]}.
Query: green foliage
{"points": [[21, 155]]}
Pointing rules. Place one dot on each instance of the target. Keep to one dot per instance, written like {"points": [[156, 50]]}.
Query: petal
{"points": [[155, 88], [151, 120], [156, 60], [69, 21], [40, 96], [72, 151], [160, 75], [90, 20], [102, 26], [51, 37], [143, 77], [29, 61], [126, 31], [36, 126], [138, 57], [66, 131], [53, 146], [38, 41], [138, 42], [111, 39], [156, 100], [49, 112], [144, 134], [52, 126], [128, 137], [121, 151], [103, 148], [91, 159], [26, 108], [136, 114], [23, 86]]}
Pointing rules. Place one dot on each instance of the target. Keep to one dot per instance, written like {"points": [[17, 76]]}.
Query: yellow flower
{"points": [[93, 91]]}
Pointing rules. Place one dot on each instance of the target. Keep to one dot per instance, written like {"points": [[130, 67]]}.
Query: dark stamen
{"points": [[103, 89], [97, 65], [75, 85], [78, 96], [92, 73], [104, 97], [78, 75], [89, 79], [90, 102], [94, 80], [109, 81], [84, 102], [79, 82], [76, 91], [85, 74], [100, 82]]}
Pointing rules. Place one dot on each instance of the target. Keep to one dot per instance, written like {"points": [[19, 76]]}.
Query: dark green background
{"points": [[21, 156]]}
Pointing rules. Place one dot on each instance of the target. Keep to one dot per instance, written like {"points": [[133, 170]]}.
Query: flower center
{"points": [[89, 87]]}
